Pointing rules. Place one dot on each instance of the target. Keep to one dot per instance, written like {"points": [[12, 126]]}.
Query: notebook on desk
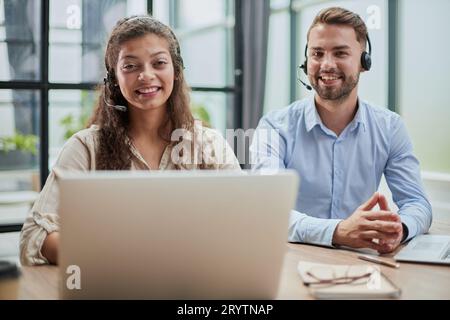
{"points": [[363, 281]]}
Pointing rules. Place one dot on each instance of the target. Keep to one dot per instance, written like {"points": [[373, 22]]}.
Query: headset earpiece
{"points": [[366, 59], [304, 66]]}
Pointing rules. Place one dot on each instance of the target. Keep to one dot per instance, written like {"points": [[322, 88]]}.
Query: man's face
{"points": [[333, 60]]}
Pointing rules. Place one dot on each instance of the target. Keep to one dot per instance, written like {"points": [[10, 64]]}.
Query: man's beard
{"points": [[336, 93]]}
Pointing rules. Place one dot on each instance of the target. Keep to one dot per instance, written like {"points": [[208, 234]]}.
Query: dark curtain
{"points": [[255, 28], [255, 19]]}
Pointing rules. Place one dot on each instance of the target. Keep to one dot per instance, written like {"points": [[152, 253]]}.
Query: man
{"points": [[340, 146]]}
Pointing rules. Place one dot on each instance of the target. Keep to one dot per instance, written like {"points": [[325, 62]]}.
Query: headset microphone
{"points": [[307, 86], [115, 106], [106, 81]]}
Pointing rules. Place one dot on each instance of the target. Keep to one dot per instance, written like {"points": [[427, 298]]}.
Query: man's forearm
{"points": [[307, 229]]}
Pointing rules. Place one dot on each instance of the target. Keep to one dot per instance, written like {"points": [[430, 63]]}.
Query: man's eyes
{"points": [[341, 53], [319, 54]]}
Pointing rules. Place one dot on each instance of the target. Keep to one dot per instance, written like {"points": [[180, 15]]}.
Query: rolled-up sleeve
{"points": [[43, 218]]}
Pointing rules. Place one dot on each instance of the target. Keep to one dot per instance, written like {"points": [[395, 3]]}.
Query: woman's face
{"points": [[145, 72]]}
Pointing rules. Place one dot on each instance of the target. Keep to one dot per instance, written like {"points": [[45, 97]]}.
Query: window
{"points": [[53, 50], [289, 23], [373, 84], [278, 76], [423, 85], [69, 111], [79, 30], [205, 29], [20, 43]]}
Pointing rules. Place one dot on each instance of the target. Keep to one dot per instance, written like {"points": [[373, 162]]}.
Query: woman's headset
{"points": [[109, 79]]}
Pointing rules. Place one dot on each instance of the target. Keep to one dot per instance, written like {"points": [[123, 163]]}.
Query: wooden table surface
{"points": [[417, 281]]}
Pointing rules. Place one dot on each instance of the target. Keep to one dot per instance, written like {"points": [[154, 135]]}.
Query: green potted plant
{"points": [[18, 151], [200, 113], [73, 124]]}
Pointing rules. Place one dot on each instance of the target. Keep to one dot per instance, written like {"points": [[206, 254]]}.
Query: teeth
{"points": [[329, 78], [148, 90]]}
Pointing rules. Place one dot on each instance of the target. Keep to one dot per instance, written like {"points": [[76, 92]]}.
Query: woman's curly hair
{"points": [[114, 144]]}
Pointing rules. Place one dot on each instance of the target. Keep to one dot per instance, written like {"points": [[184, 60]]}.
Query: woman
{"points": [[142, 121]]}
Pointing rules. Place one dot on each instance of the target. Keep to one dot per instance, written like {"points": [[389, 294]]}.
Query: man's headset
{"points": [[110, 79], [366, 62]]}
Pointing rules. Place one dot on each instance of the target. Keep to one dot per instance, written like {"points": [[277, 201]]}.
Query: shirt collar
{"points": [[360, 117], [312, 117]]}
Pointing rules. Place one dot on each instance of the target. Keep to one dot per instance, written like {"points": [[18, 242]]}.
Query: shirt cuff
{"points": [[409, 225], [320, 231], [48, 221], [405, 232]]}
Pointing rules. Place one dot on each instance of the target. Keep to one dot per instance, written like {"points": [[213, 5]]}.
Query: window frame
{"points": [[43, 86], [234, 105], [297, 54]]}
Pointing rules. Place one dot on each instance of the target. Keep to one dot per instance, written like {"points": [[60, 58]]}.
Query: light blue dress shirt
{"points": [[339, 173]]}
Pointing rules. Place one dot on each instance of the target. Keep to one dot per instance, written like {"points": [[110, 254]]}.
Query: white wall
{"points": [[437, 188], [424, 100]]}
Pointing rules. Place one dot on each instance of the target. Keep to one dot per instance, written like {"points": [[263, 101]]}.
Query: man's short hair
{"points": [[341, 16]]}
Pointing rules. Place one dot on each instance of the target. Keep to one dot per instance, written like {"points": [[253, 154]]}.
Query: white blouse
{"points": [[211, 151]]}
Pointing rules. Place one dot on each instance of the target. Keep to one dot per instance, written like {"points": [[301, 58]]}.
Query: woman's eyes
{"points": [[128, 67], [132, 66], [160, 63]]}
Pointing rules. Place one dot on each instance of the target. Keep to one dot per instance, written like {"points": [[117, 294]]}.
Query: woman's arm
{"points": [[50, 247], [78, 154]]}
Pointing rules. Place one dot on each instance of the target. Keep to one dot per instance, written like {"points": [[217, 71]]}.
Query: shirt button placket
{"points": [[334, 180]]}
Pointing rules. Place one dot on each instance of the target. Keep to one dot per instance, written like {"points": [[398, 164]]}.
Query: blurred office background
{"points": [[241, 61]]}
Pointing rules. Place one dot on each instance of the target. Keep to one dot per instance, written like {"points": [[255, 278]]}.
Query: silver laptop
{"points": [[173, 235], [426, 249]]}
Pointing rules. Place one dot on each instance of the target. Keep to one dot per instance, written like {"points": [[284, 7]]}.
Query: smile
{"points": [[329, 79], [148, 90]]}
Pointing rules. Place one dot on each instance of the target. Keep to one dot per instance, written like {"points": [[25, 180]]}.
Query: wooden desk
{"points": [[417, 281]]}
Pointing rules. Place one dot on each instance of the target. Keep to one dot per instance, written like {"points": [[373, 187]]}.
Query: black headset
{"points": [[366, 59]]}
